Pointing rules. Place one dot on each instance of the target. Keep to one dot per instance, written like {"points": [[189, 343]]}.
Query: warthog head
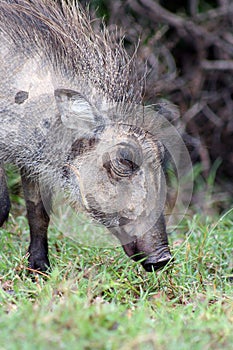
{"points": [[118, 168]]}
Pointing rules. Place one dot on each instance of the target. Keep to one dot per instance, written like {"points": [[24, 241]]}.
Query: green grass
{"points": [[99, 299]]}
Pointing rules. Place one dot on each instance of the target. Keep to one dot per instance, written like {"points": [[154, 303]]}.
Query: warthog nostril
{"points": [[155, 263]]}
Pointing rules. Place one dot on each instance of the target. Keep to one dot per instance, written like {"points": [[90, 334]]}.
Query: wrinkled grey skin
{"points": [[63, 127]]}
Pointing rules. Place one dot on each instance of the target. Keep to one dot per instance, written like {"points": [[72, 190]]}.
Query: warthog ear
{"points": [[75, 111]]}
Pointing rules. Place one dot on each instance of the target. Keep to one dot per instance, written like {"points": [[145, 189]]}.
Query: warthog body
{"points": [[71, 116]]}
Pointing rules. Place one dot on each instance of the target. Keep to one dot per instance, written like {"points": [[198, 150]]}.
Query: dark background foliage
{"points": [[187, 46]]}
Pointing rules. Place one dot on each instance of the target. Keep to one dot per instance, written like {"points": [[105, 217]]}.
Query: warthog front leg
{"points": [[4, 197], [38, 222]]}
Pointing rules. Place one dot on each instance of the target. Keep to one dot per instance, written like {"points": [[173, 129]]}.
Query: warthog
{"points": [[71, 116]]}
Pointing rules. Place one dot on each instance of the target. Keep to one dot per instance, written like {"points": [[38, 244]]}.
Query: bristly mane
{"points": [[64, 34]]}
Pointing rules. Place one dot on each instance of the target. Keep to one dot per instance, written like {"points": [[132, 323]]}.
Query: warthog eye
{"points": [[122, 163]]}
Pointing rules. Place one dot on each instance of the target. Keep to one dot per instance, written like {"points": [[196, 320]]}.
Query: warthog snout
{"points": [[155, 262]]}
